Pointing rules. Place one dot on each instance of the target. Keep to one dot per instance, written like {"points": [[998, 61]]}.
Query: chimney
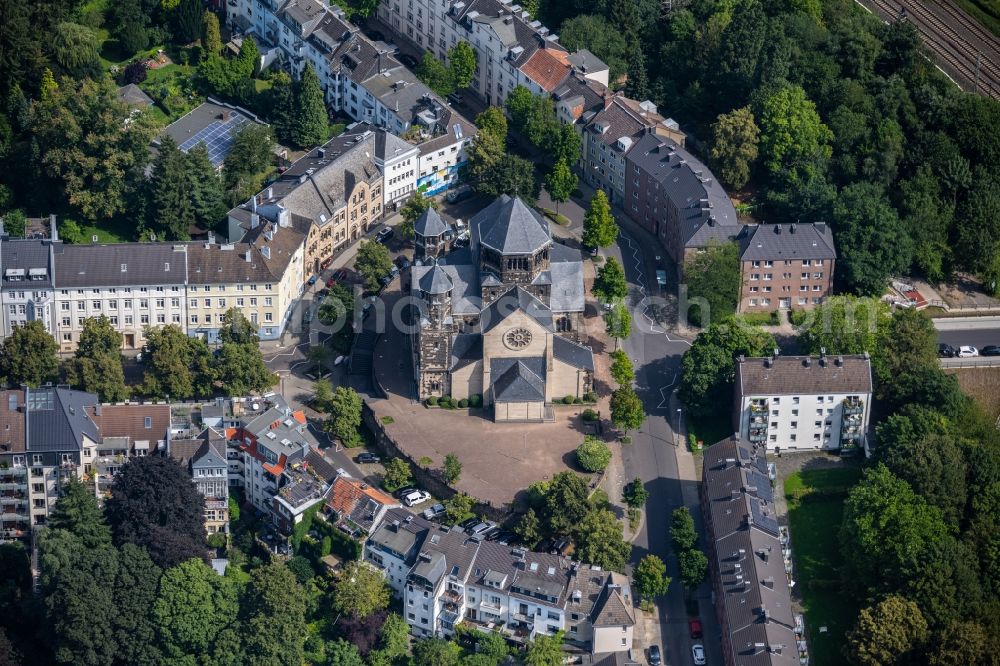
{"points": [[777, 229], [254, 220], [791, 228], [807, 362], [53, 231], [840, 361], [211, 238], [608, 97]]}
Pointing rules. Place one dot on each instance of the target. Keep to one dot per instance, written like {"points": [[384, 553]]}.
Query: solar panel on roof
{"points": [[764, 518], [218, 137]]}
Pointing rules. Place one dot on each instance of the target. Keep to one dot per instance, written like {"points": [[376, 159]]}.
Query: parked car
{"points": [[466, 524], [654, 655], [481, 528], [433, 512], [990, 350], [507, 539], [384, 234], [307, 316], [459, 243], [459, 193], [403, 492], [407, 60], [491, 534], [946, 350], [312, 280], [340, 359], [416, 497], [694, 626], [455, 99], [402, 262], [367, 457], [339, 275], [967, 351], [698, 654]]}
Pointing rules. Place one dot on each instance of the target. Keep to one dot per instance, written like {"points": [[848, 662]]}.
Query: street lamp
{"points": [[677, 430]]}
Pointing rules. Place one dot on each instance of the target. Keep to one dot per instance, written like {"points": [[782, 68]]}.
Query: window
{"points": [[767, 276]]}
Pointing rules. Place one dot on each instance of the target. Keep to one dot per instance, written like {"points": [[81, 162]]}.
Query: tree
{"points": [[248, 162], [708, 367], [600, 541], [650, 577], [136, 588], [462, 64], [886, 529], [492, 121], [75, 49], [890, 632], [176, 365], [871, 242], [360, 590], [560, 183], [485, 153], [936, 466], [345, 416], [545, 650], [594, 33], [208, 198], [735, 136], [365, 8], [593, 454], [338, 306], [436, 652], [510, 175], [452, 468], [237, 329], [792, 135], [910, 342], [529, 528], [133, 37], [193, 607], [342, 653], [102, 374], [846, 325], [28, 355], [242, 371], [610, 284], [564, 143], [211, 36], [634, 494], [433, 73], [621, 368], [394, 636], [397, 474], [458, 507], [274, 606], [373, 262], [599, 228], [187, 20], [682, 532], [154, 505], [627, 411], [565, 503], [713, 277], [311, 126], [694, 567], [618, 321], [961, 643], [172, 210], [91, 144], [519, 105], [413, 209]]}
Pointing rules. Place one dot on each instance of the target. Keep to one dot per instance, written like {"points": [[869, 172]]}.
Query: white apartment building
{"points": [[804, 402], [134, 285], [26, 292], [445, 577]]}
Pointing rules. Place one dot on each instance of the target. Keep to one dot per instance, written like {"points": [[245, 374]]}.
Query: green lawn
{"points": [[815, 524]]}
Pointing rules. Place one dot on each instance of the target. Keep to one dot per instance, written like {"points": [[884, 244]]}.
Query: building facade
{"points": [[205, 458], [785, 266], [794, 403], [26, 293]]}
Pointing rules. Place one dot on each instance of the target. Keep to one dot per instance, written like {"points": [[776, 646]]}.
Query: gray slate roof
{"points": [[58, 419], [517, 299], [803, 375], [388, 146], [518, 379], [29, 257], [121, 265], [436, 281], [510, 226], [572, 354], [466, 348], [429, 223], [466, 299], [566, 275], [772, 242]]}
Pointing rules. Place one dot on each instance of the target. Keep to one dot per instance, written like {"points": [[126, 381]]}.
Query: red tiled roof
{"points": [[547, 68], [299, 416], [277, 468], [346, 492]]}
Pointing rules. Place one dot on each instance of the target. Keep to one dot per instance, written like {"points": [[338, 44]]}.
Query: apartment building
{"points": [[125, 431], [261, 276], [134, 285], [332, 196], [26, 292], [269, 441], [748, 560], [356, 507], [804, 402], [512, 49], [785, 266], [205, 458], [445, 577]]}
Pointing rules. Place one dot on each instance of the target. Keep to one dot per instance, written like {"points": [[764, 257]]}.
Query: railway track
{"points": [[957, 54]]}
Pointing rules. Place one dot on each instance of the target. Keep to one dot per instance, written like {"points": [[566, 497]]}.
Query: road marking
{"points": [[664, 395], [641, 281]]}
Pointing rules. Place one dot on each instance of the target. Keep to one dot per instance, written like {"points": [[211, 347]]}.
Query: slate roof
{"points": [[612, 609], [466, 348], [388, 146], [803, 375], [510, 226], [436, 281], [772, 242], [747, 550], [586, 62], [566, 275], [518, 379], [429, 223], [209, 263], [400, 531], [58, 419], [704, 209], [183, 450], [11, 422], [514, 300], [572, 354], [121, 265], [466, 298], [133, 95], [621, 120], [512, 30], [26, 257]]}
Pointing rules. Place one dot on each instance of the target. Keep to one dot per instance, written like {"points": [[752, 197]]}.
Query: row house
{"points": [[785, 265], [444, 577], [51, 434], [749, 559], [796, 403], [26, 292], [204, 457]]}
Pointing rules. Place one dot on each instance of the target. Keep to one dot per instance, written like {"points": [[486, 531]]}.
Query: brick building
{"points": [[785, 266]]}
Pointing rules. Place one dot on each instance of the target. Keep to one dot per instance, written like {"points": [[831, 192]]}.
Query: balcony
{"points": [[453, 597], [852, 407], [8, 517], [216, 504], [760, 407]]}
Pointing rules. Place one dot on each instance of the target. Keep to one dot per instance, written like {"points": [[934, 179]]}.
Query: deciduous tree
{"points": [[360, 590], [634, 494], [458, 507], [890, 632], [792, 135], [621, 368], [610, 284], [735, 137], [452, 468], [545, 650], [75, 49], [274, 605], [846, 325], [462, 64], [565, 503], [593, 454], [713, 281], [436, 652], [600, 541], [345, 416], [397, 474], [560, 183], [618, 321], [194, 606], [510, 175], [599, 228], [650, 577], [248, 162], [28, 355], [627, 411], [211, 36], [176, 365], [694, 567], [373, 262]]}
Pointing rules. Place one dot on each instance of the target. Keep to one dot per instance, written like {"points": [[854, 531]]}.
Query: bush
{"points": [[589, 415], [432, 401], [217, 540], [463, 403], [761, 318], [797, 317], [475, 400], [593, 454], [134, 72], [568, 400], [590, 397], [326, 546]]}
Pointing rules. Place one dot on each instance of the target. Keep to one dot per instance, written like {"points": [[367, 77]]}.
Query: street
{"points": [[975, 331]]}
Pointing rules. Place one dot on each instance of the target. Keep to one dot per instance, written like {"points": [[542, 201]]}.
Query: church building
{"points": [[502, 317]]}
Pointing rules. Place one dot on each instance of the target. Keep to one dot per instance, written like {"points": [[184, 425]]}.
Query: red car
{"points": [[694, 624]]}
